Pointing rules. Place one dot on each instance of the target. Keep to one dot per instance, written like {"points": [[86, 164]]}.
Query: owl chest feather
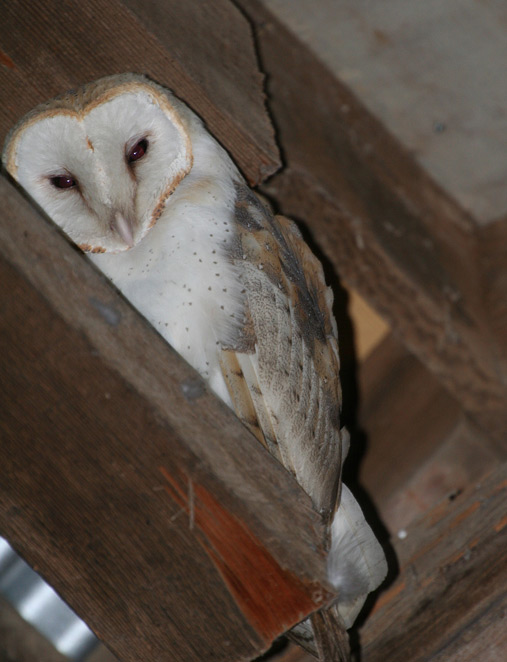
{"points": [[180, 278]]}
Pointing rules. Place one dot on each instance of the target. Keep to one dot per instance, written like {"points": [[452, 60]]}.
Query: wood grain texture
{"points": [[453, 572], [99, 418], [413, 67], [52, 47], [213, 43], [420, 447], [101, 654], [405, 414], [389, 229]]}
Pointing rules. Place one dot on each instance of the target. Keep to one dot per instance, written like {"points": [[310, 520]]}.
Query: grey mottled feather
{"points": [[283, 375]]}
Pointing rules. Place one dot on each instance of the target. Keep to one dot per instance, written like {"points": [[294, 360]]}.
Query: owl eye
{"points": [[63, 181], [138, 151]]}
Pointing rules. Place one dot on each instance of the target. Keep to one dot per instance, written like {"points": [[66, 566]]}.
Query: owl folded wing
{"points": [[283, 380], [283, 375]]}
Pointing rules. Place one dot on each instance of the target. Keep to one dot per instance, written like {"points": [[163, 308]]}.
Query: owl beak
{"points": [[123, 226]]}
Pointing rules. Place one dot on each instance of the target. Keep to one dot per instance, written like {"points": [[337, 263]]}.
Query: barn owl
{"points": [[133, 177]]}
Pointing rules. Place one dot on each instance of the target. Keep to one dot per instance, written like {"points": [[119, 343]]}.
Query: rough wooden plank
{"points": [[492, 260], [463, 457], [140, 498], [406, 415], [420, 446], [217, 51], [453, 574], [53, 46], [294, 653], [388, 228]]}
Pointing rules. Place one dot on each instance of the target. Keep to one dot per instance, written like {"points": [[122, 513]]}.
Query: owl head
{"points": [[103, 161]]}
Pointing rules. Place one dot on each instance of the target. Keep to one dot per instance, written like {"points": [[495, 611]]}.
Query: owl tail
{"points": [[356, 566], [356, 561]]}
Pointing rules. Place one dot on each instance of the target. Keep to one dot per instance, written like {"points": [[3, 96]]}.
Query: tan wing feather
{"points": [[290, 365], [242, 387]]}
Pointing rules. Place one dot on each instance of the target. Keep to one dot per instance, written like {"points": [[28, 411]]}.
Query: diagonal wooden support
{"points": [[204, 53], [448, 600], [136, 494]]}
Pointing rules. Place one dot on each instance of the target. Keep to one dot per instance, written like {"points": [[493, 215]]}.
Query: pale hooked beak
{"points": [[123, 226]]}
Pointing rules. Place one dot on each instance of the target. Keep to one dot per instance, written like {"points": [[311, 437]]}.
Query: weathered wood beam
{"points": [[420, 445], [447, 602], [427, 252], [136, 494], [204, 53]]}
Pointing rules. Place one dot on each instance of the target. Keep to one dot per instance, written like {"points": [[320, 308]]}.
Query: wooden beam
{"points": [[447, 602], [205, 54], [101, 654], [412, 67], [411, 423], [136, 494], [392, 226]]}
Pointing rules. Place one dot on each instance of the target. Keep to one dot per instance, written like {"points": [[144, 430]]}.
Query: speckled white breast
{"points": [[179, 276]]}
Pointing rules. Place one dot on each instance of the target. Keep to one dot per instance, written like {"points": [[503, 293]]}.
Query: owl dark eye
{"points": [[138, 151], [63, 181]]}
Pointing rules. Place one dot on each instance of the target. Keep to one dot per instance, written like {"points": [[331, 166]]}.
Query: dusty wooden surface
{"points": [[417, 455], [419, 445], [434, 75], [101, 654], [428, 469], [48, 48], [140, 498], [435, 271], [447, 602]]}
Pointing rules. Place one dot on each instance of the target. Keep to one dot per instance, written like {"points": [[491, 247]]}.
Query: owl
{"points": [[133, 177]]}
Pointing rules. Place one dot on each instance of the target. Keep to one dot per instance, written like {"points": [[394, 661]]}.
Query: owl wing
{"points": [[283, 373]]}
